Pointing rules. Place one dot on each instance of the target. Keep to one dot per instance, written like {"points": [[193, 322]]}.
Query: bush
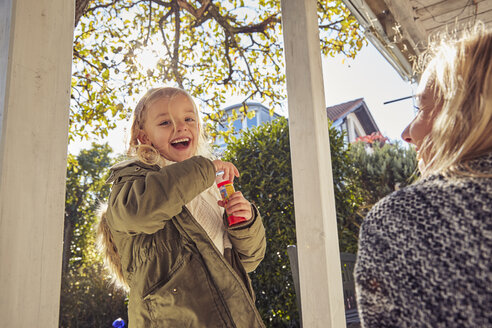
{"points": [[384, 169], [262, 156], [87, 300]]}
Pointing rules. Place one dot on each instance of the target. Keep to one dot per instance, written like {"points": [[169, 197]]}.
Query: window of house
{"points": [[238, 125]]}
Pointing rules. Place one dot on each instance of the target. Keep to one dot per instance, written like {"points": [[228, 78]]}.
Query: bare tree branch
{"points": [[229, 62], [80, 7], [332, 24], [161, 28], [162, 3], [196, 13], [76, 54], [150, 22], [175, 56]]}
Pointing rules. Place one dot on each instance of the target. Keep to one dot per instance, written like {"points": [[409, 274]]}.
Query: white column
{"points": [[316, 226], [350, 128], [36, 39]]}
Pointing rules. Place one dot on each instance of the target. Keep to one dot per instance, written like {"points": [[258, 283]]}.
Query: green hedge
{"points": [[262, 156]]}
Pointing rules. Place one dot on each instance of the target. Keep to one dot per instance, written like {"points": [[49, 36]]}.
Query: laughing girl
{"points": [[163, 233]]}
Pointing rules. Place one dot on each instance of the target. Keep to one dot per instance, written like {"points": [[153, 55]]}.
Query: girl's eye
{"points": [[190, 119], [164, 123]]}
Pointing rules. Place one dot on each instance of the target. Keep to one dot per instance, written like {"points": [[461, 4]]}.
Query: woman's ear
{"points": [[143, 138]]}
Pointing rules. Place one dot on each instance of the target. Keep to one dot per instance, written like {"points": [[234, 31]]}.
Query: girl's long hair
{"points": [[108, 250], [460, 71]]}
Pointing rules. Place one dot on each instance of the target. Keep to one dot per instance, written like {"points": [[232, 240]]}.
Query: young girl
{"points": [[163, 233], [424, 251]]}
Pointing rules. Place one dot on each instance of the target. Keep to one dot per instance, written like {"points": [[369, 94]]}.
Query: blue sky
{"points": [[371, 77]]}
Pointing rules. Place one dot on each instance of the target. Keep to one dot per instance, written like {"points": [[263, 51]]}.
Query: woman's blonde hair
{"points": [[147, 153], [460, 77]]}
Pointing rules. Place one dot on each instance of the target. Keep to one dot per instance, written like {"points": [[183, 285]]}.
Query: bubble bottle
{"points": [[226, 189]]}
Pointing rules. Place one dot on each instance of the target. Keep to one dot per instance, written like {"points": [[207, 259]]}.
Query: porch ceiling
{"points": [[399, 29]]}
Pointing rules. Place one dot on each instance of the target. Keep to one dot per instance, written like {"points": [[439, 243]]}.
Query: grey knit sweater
{"points": [[425, 252]]}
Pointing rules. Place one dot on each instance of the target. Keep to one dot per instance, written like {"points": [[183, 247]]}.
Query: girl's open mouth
{"points": [[181, 143]]}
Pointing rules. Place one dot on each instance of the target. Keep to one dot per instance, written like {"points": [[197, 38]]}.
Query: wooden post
{"points": [[316, 226], [36, 39]]}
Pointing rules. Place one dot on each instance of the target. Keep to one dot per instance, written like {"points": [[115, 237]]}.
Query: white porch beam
{"points": [[36, 39], [316, 226]]}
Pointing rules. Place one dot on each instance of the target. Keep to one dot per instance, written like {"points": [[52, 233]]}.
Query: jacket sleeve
{"points": [[248, 239], [142, 200]]}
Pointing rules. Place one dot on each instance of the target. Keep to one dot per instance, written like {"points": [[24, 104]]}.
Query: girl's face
{"points": [[421, 125], [171, 126]]}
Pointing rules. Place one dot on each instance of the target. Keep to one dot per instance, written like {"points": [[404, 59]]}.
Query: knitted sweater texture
{"points": [[424, 255]]}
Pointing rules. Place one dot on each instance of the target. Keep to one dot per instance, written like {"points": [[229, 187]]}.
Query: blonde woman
{"points": [[424, 251], [163, 233]]}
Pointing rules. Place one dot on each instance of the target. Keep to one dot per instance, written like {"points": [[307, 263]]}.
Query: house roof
{"points": [[400, 29], [339, 112]]}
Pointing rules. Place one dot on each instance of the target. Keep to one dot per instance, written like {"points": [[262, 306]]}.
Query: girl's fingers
{"points": [[230, 171], [243, 214], [237, 205], [236, 171], [228, 175]]}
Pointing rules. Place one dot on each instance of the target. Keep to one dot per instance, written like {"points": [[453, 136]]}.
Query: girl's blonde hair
{"points": [[147, 153], [460, 76], [109, 252]]}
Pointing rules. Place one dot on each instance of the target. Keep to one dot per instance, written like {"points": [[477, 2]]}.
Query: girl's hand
{"points": [[237, 205], [230, 171]]}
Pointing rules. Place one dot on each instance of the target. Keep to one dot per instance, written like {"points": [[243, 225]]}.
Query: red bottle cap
{"points": [[223, 183]]}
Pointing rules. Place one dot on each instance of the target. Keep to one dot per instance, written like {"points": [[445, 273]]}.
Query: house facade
{"points": [[353, 117], [261, 115]]}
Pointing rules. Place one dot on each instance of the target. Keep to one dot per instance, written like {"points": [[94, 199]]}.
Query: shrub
{"points": [[384, 169], [262, 156]]}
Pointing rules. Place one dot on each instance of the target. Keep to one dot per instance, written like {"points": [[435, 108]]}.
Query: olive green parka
{"points": [[176, 275]]}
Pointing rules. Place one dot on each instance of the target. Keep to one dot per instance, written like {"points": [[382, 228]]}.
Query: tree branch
{"points": [[161, 28], [175, 55], [80, 7], [254, 28], [162, 3], [229, 62], [76, 54], [196, 13], [331, 24], [150, 21]]}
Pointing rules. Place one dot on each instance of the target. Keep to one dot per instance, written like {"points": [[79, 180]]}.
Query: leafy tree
{"points": [[384, 167], [86, 298], [85, 185], [210, 48], [88, 301], [262, 156]]}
